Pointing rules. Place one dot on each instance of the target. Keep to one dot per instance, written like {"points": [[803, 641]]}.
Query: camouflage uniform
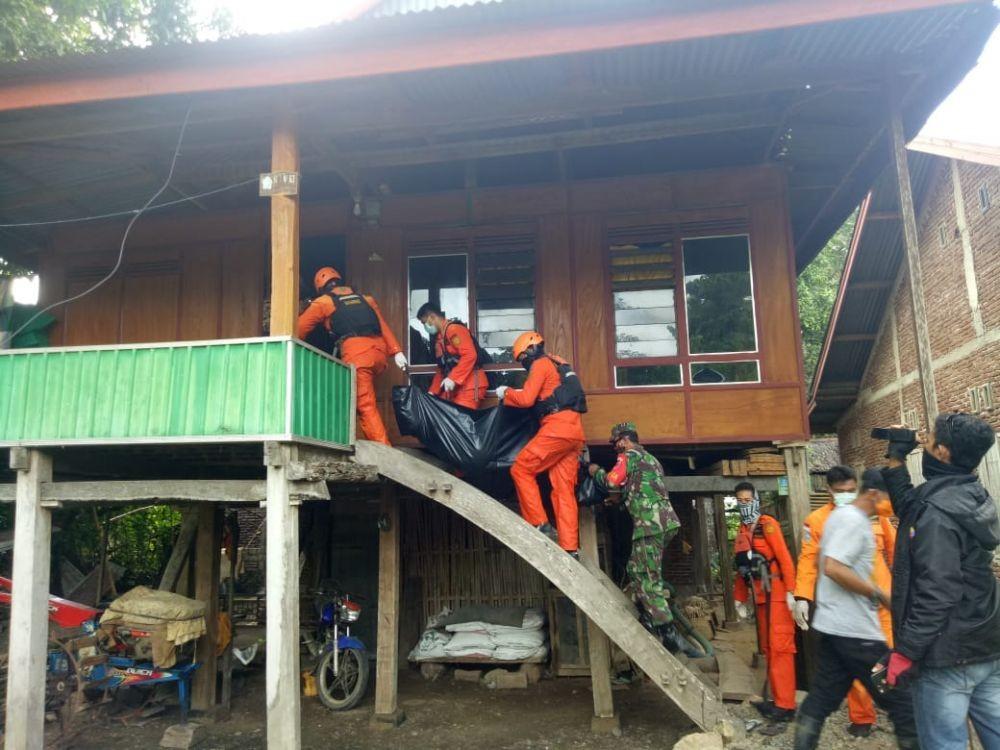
{"points": [[655, 523]]}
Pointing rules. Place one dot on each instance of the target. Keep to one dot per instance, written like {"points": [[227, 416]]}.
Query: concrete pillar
{"points": [[29, 611], [284, 730]]}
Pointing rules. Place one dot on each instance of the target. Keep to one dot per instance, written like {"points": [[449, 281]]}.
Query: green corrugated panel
{"points": [[321, 404], [218, 390]]}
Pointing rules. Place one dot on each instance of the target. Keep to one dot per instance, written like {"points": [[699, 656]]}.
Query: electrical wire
{"points": [[131, 211], [128, 229]]}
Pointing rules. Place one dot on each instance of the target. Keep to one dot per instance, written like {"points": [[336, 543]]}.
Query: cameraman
{"points": [[945, 598]]}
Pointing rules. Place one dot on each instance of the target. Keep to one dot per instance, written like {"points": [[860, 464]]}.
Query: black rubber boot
{"points": [[674, 641], [549, 530], [807, 731]]}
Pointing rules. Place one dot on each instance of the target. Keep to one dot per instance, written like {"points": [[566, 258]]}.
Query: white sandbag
{"points": [[430, 646], [518, 638], [470, 644]]}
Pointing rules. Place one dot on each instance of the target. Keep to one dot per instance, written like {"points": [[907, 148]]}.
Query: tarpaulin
{"points": [[479, 442]]}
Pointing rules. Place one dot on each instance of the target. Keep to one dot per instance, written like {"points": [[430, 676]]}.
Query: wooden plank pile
{"points": [[755, 462]]}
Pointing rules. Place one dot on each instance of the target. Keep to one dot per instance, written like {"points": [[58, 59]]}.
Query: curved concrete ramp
{"points": [[586, 586]]}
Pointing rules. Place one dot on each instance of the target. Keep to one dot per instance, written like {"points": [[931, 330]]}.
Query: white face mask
{"points": [[430, 328], [844, 498]]}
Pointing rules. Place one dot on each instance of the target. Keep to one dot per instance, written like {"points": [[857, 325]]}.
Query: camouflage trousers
{"points": [[645, 575]]}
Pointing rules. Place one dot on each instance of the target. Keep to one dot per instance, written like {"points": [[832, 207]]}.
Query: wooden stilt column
{"points": [[284, 731], [387, 710], [702, 566], [207, 544], [725, 556], [912, 246], [604, 719], [29, 611], [284, 230], [799, 486]]}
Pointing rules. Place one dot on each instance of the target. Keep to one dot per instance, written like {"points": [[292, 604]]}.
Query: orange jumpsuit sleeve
{"points": [[318, 311], [390, 339], [526, 397], [889, 537], [467, 354], [805, 571], [772, 532]]}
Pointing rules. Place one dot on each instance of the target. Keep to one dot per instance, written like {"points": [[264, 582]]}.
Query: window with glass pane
{"points": [[642, 284], [718, 290], [442, 280], [647, 375], [505, 293], [704, 373]]}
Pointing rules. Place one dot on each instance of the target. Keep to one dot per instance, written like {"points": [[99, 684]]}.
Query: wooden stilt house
{"points": [[638, 181]]}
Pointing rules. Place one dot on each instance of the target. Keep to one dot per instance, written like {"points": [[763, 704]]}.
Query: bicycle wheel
{"points": [[345, 689]]}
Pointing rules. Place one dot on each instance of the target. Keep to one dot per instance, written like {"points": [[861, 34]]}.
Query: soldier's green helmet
{"points": [[624, 429]]}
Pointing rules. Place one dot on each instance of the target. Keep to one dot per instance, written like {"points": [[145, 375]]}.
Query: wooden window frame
{"points": [[683, 359], [421, 245]]}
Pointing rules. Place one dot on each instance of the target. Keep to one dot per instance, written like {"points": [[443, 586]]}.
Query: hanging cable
{"points": [[128, 229], [132, 211]]}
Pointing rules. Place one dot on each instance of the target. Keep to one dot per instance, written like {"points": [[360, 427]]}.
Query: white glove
{"points": [[401, 362], [501, 390], [790, 601], [800, 613], [447, 385]]}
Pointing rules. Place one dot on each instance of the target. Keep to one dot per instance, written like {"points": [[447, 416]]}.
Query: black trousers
{"points": [[840, 661]]}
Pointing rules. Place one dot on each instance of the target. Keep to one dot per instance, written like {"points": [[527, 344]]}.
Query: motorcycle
{"points": [[342, 671]]}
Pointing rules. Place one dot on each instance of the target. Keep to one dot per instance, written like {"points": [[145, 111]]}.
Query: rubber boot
{"points": [[549, 530], [674, 641], [807, 731]]}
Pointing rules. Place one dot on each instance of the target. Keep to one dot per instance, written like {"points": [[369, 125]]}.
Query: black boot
{"points": [[807, 731], [674, 641]]}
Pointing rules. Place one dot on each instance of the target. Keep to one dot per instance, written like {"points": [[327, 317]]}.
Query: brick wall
{"points": [[962, 360]]}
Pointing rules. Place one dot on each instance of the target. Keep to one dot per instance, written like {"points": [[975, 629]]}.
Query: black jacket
{"points": [[945, 598]]}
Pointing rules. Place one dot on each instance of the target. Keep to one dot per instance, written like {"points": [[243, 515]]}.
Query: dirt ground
{"points": [[553, 714]]}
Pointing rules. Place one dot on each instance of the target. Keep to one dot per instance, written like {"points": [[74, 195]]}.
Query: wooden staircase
{"points": [[583, 582]]}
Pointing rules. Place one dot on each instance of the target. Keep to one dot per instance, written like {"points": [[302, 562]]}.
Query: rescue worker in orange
{"points": [[363, 339], [842, 487], [762, 556], [458, 379], [553, 390]]}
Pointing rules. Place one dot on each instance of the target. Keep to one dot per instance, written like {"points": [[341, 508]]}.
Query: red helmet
{"points": [[324, 276], [522, 342]]}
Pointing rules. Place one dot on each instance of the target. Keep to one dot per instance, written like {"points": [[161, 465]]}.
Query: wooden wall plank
{"points": [[659, 415], [778, 337], [735, 413], [93, 319], [554, 292], [149, 309], [593, 348], [242, 290], [201, 300]]}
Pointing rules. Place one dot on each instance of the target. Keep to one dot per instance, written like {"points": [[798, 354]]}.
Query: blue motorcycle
{"points": [[342, 672]]}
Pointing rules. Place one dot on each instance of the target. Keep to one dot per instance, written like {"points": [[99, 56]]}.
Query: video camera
{"points": [[895, 434]]}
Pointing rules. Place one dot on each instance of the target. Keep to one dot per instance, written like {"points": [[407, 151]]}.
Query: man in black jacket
{"points": [[945, 598]]}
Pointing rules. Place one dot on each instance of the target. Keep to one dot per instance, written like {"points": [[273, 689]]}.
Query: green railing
{"points": [[179, 392]]}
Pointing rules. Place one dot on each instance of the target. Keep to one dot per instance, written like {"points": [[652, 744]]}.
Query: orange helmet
{"points": [[324, 276], [526, 339]]}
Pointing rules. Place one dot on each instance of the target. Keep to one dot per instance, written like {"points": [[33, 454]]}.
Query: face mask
{"points": [[932, 466], [841, 499], [430, 328], [750, 512]]}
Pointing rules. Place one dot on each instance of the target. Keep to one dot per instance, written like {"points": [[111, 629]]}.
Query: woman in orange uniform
{"points": [[554, 392], [762, 555], [842, 487], [458, 378], [363, 339]]}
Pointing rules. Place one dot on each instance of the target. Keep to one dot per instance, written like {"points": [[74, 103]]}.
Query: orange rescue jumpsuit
{"points": [[555, 448], [368, 354], [775, 626], [470, 383], [860, 708]]}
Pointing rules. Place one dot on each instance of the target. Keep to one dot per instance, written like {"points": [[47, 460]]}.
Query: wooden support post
{"points": [[387, 710], [725, 556], [912, 246], [284, 730], [182, 548], [29, 611], [208, 542], [226, 689], [284, 230], [702, 564], [604, 719], [799, 487]]}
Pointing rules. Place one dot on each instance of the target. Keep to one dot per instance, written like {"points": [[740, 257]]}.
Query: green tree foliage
{"points": [[720, 313], [818, 285], [49, 28]]}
